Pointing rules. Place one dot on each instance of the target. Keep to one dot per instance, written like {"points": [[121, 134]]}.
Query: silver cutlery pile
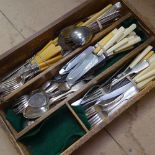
{"points": [[39, 101], [17, 78], [73, 36], [70, 38], [105, 101]]}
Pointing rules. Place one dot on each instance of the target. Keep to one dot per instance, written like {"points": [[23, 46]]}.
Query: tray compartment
{"points": [[52, 71]]}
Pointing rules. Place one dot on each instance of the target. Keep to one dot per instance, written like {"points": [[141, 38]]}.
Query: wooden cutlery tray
{"points": [[17, 55]]}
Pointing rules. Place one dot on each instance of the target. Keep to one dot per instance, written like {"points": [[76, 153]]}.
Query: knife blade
{"points": [[115, 93], [76, 60], [88, 63]]}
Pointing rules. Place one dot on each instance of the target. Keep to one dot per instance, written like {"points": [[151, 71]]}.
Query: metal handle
{"points": [[147, 70], [93, 18], [60, 97]]}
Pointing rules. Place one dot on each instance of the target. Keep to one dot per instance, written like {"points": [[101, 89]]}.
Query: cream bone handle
{"points": [[152, 58], [94, 17], [151, 61], [111, 50], [123, 42], [128, 31], [113, 40], [133, 33], [142, 84], [132, 42], [104, 41], [131, 36], [149, 55], [147, 75], [140, 56]]}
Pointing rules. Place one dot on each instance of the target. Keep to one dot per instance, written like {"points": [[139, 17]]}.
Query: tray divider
{"points": [[77, 117], [53, 70]]}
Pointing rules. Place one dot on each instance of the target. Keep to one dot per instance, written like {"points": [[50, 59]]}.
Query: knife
{"points": [[78, 71], [106, 96], [118, 102], [78, 59], [115, 93]]}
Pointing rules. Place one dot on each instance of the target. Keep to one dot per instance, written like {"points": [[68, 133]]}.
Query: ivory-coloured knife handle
{"points": [[113, 40], [149, 55], [133, 33], [111, 50], [147, 75], [152, 58], [140, 56], [126, 49], [93, 18], [46, 54], [50, 61], [151, 67], [142, 84], [132, 42], [128, 31], [104, 41]]}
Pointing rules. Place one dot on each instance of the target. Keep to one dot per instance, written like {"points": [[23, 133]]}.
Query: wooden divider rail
{"points": [[39, 40]]}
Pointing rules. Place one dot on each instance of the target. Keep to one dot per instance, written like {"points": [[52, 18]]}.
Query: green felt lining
{"points": [[56, 133]]}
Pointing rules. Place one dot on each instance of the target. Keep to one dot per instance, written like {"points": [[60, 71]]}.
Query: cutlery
{"points": [[18, 77], [33, 111], [103, 110], [73, 36], [39, 101], [76, 60], [93, 60], [136, 66], [100, 105], [52, 52]]}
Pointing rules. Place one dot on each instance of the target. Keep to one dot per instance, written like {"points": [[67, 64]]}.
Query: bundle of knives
{"points": [[53, 52], [117, 41], [107, 100]]}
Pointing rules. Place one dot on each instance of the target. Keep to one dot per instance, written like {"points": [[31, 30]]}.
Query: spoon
{"points": [[35, 112], [81, 35], [74, 36]]}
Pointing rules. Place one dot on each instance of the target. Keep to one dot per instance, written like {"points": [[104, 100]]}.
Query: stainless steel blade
{"points": [[78, 59], [88, 63], [115, 93]]}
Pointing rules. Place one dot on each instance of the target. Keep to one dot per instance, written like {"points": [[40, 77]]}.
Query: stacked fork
{"points": [[106, 101]]}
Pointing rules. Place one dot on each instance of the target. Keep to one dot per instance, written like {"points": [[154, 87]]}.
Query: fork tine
{"points": [[94, 120], [96, 123]]}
